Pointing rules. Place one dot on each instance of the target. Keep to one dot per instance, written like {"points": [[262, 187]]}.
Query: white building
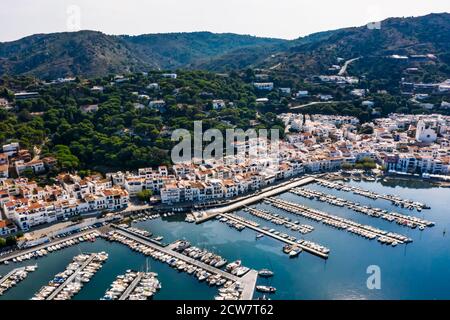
{"points": [[218, 104], [266, 86], [170, 75], [424, 133]]}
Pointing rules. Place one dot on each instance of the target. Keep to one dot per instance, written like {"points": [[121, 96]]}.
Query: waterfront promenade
{"points": [[203, 216]]}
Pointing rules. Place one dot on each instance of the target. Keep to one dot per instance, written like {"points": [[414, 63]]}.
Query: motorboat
{"points": [[266, 289], [266, 273]]}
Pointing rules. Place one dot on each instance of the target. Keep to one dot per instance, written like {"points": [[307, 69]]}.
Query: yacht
{"points": [[287, 249], [295, 252], [265, 273], [266, 289], [233, 265]]}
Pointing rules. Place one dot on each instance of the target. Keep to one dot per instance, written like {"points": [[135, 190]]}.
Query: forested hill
{"points": [[90, 54], [428, 34]]}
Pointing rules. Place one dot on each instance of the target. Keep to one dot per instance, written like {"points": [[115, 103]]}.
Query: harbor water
{"points": [[419, 270]]}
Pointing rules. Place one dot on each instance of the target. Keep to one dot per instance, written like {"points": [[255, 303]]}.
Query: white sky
{"points": [[287, 19]]}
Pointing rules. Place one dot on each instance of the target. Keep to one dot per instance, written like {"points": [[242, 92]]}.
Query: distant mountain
{"points": [[176, 50], [66, 54], [90, 53], [401, 36]]}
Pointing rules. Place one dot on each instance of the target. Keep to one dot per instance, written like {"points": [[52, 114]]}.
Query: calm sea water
{"points": [[419, 270]]}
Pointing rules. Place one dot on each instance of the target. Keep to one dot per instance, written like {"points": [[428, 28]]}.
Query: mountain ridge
{"points": [[92, 53]]}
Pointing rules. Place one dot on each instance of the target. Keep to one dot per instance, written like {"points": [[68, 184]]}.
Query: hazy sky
{"points": [[271, 18]]}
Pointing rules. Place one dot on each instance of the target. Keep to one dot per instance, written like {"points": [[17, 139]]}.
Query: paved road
{"points": [[343, 70], [314, 103]]}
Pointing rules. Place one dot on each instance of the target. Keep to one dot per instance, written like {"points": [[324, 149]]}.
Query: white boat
{"points": [[266, 289], [295, 252], [266, 273]]}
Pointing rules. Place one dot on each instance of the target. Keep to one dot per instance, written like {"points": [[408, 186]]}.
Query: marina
{"points": [[14, 277], [69, 282], [353, 227], [395, 200], [401, 219], [307, 276], [307, 246], [243, 287]]}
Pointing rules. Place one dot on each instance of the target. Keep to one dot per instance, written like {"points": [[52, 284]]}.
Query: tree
{"points": [[366, 130], [366, 164], [347, 166], [144, 195], [66, 159], [28, 173], [11, 241]]}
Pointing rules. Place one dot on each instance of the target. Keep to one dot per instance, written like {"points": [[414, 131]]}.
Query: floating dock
{"points": [[132, 286], [373, 195], [280, 220], [366, 231], [71, 278], [402, 219], [271, 235], [14, 277]]}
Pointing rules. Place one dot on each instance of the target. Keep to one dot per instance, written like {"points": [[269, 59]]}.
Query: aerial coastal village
{"points": [[403, 144]]}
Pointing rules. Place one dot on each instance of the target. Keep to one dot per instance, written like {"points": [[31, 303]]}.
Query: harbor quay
{"points": [[202, 216]]}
